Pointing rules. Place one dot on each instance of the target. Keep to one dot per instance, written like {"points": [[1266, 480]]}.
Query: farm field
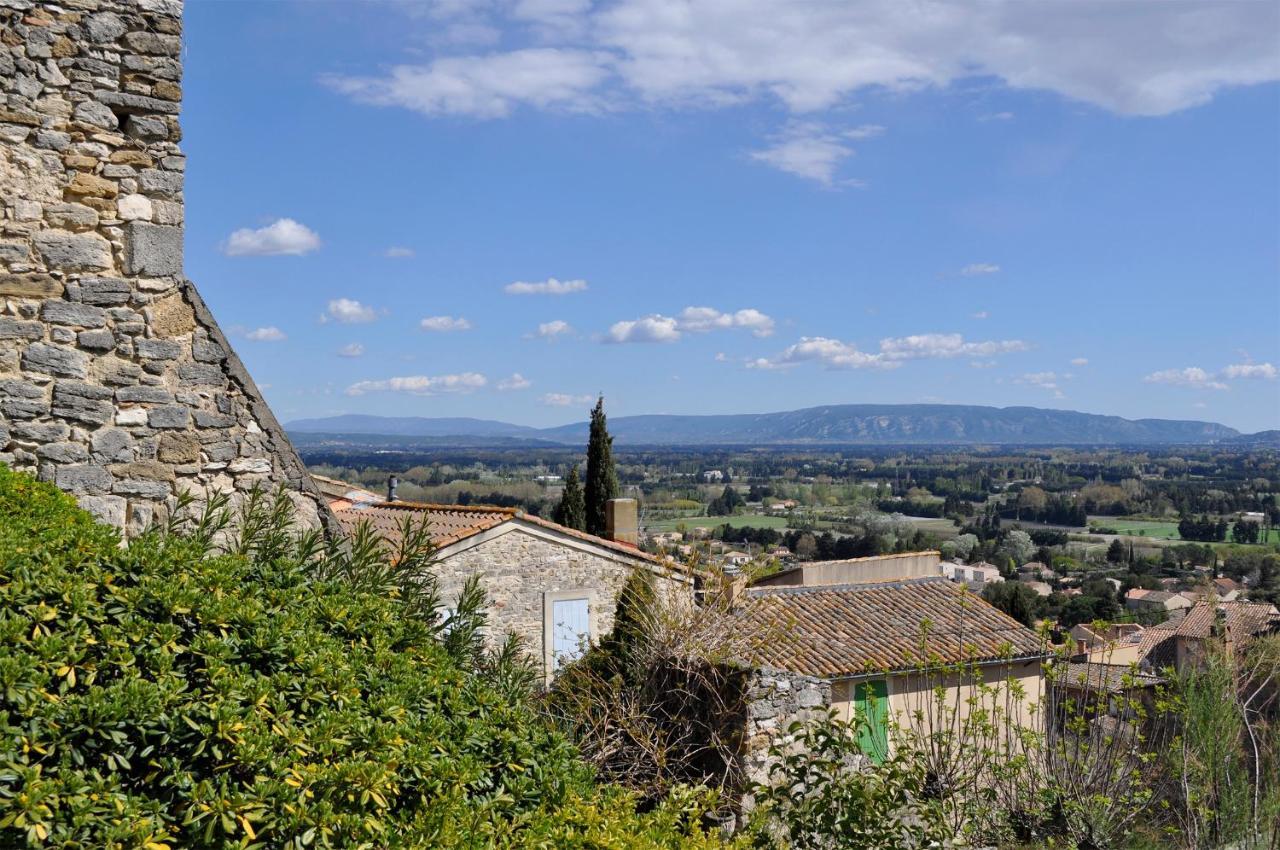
{"points": [[1138, 527]]}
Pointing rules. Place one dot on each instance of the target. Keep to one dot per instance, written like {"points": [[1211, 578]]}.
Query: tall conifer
{"points": [[572, 510], [602, 478]]}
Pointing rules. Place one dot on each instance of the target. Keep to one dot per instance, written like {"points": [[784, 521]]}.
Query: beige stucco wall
{"points": [[521, 565], [854, 570], [1017, 690]]}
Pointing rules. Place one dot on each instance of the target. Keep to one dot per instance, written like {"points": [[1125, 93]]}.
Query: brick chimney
{"points": [[392, 484], [621, 523]]}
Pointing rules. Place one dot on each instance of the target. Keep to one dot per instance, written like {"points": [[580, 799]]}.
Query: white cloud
{"points": [[1191, 376], [809, 150], [515, 382], [565, 399], [354, 349], [981, 314], [1149, 58], [977, 269], [1045, 380], [444, 324], [831, 353], [349, 312], [422, 384], [267, 334], [489, 85], [397, 252], [702, 319], [997, 116], [936, 346], [836, 354], [660, 328], [282, 236], [554, 328], [1263, 371], [1080, 361], [653, 328], [550, 286]]}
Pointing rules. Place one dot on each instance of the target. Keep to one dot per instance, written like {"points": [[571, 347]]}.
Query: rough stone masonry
{"points": [[116, 383]]}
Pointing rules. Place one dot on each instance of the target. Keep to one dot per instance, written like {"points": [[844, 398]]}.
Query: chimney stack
{"points": [[621, 523], [392, 484]]}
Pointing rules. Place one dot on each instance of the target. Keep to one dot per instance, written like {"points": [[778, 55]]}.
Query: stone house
{"points": [[874, 653], [1139, 600], [116, 383], [554, 587], [976, 575], [1181, 640]]}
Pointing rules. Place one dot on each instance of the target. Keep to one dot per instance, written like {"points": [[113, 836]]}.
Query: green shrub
{"points": [[175, 693]]}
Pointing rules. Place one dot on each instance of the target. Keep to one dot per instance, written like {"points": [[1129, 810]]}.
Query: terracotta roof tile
{"points": [[845, 630], [1113, 678], [1244, 619], [449, 524]]}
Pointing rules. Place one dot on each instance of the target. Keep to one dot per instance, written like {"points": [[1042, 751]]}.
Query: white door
{"points": [[570, 629]]}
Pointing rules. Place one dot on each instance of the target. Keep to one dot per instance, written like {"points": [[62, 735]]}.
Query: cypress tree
{"points": [[572, 510], [602, 478]]}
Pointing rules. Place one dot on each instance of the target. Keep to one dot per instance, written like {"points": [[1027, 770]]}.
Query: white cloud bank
{"points": [[284, 236], [422, 384], [813, 152], [353, 349], [566, 399], [398, 252], [1146, 58], [553, 329], [550, 286], [515, 382], [979, 269], [660, 328], [444, 324], [837, 354], [1201, 379]]}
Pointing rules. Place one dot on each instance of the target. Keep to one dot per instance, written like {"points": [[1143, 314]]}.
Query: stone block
{"points": [[169, 416], [18, 329], [63, 452], [111, 445], [142, 489], [153, 249], [134, 208], [179, 448], [107, 509], [29, 286], [104, 291], [82, 402], [128, 416], [74, 252], [146, 395], [148, 470], [95, 114], [200, 374], [41, 432], [99, 341], [207, 351], [14, 252], [146, 127], [158, 349], [84, 479], [135, 103], [104, 27], [54, 360], [163, 184], [71, 216], [59, 312], [90, 186], [205, 419]]}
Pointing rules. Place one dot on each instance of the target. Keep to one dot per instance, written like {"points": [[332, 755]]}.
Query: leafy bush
{"points": [[208, 687]]}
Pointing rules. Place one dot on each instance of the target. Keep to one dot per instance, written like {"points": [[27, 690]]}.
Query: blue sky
{"points": [[499, 209]]}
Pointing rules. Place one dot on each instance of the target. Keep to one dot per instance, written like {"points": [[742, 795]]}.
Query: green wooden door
{"points": [[871, 714]]}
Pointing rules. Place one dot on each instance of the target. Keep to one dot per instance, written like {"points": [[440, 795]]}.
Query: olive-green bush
{"points": [[179, 692]]}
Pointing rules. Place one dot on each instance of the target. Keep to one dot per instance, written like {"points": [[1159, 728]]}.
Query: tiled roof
{"points": [[449, 524], [338, 491], [1113, 678], [847, 630], [1243, 619]]}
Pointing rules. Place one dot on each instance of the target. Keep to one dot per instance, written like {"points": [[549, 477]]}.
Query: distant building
{"points": [[980, 573], [1139, 600], [904, 565], [713, 476]]}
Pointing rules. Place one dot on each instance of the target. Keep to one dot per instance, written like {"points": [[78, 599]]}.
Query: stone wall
{"points": [[521, 565], [775, 700], [115, 381]]}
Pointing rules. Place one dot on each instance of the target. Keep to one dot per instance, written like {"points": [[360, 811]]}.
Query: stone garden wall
{"points": [[775, 700], [115, 381]]}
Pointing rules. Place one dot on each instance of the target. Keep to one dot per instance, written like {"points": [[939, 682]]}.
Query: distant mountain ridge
{"points": [[840, 424]]}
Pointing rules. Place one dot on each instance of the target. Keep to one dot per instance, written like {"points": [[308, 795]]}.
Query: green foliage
{"points": [[820, 795], [572, 510], [602, 478], [259, 688], [1015, 599]]}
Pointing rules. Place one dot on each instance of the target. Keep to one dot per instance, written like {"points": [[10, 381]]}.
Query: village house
{"points": [[975, 575], [1118, 643], [876, 654], [554, 587], [1140, 600], [1181, 640]]}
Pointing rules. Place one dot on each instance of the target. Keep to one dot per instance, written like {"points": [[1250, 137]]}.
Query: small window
{"points": [[871, 718]]}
